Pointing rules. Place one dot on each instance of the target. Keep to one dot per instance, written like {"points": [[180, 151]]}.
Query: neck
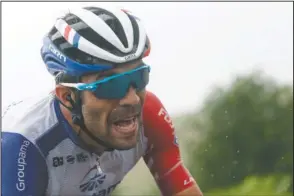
{"points": [[93, 145]]}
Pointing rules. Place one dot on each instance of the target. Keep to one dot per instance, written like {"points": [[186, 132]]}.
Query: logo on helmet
{"points": [[130, 57], [57, 53]]}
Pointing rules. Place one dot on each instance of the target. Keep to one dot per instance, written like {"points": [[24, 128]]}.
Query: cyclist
{"points": [[86, 135]]}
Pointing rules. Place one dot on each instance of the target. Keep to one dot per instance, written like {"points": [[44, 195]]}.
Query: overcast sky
{"points": [[194, 45]]}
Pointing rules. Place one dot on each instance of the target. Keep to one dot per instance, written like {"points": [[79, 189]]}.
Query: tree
{"points": [[247, 130]]}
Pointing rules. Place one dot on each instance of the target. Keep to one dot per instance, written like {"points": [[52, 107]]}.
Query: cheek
{"points": [[92, 115], [95, 110]]}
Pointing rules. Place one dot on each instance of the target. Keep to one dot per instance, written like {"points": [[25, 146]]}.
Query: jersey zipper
{"points": [[98, 165]]}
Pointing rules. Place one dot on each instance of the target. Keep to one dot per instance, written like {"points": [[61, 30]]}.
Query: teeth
{"points": [[131, 118], [124, 120], [126, 126]]}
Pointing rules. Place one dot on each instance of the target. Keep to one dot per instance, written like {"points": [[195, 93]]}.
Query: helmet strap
{"points": [[76, 109], [78, 119]]}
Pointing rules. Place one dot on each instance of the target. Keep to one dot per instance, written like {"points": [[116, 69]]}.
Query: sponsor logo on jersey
{"points": [[70, 159], [21, 165], [59, 161], [93, 183], [92, 180], [107, 191], [81, 157], [166, 117]]}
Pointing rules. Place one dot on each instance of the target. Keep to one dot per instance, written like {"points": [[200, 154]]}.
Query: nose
{"points": [[131, 98]]}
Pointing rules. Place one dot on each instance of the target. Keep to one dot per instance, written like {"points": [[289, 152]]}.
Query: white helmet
{"points": [[94, 39]]}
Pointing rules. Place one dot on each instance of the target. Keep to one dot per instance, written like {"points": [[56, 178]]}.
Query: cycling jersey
{"points": [[42, 155]]}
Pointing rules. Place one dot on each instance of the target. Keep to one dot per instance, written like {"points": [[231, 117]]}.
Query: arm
{"points": [[24, 170], [163, 154]]}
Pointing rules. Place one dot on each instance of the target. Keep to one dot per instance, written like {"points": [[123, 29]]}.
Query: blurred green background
{"points": [[240, 142]]}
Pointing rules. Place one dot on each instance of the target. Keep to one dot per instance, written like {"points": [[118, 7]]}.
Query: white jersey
{"points": [[44, 156]]}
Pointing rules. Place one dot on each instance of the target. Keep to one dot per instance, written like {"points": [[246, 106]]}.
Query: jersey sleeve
{"points": [[24, 170], [163, 154]]}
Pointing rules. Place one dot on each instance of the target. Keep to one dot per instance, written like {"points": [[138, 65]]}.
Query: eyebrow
{"points": [[112, 72]]}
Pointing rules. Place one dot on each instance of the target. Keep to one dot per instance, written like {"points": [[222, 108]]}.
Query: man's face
{"points": [[116, 122]]}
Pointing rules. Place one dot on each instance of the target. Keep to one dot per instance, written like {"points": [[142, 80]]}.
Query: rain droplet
{"points": [[235, 162], [233, 176], [201, 169], [223, 166], [212, 175], [227, 137], [282, 157], [226, 111], [238, 151], [205, 150], [209, 145]]}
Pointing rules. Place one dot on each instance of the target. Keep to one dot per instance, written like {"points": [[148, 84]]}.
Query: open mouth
{"points": [[125, 122], [126, 125]]}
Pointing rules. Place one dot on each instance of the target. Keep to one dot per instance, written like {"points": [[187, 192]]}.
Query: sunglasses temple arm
{"points": [[74, 85]]}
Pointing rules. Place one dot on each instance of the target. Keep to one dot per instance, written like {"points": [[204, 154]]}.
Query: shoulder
{"points": [[38, 120], [30, 117], [157, 123], [23, 166], [155, 112]]}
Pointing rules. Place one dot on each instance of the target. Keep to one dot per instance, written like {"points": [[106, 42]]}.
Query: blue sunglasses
{"points": [[116, 86]]}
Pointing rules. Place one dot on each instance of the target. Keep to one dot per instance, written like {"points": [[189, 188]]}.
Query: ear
{"points": [[63, 93]]}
